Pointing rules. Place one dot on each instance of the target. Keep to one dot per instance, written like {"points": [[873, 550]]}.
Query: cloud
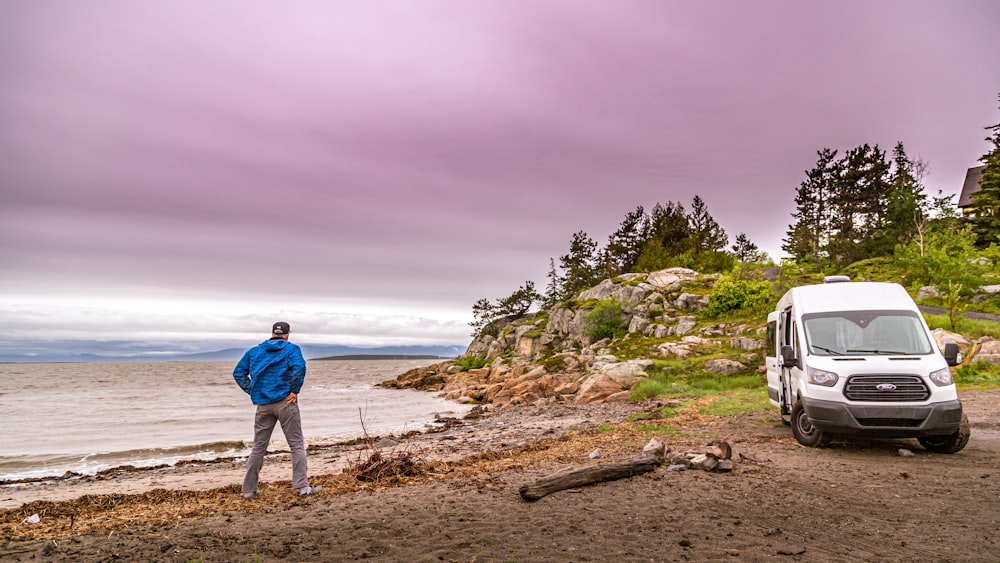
{"points": [[407, 159]]}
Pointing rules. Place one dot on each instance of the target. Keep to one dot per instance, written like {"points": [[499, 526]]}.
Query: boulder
{"points": [[691, 301], [989, 351], [664, 281], [744, 343], [685, 325], [928, 292], [723, 366], [942, 337]]}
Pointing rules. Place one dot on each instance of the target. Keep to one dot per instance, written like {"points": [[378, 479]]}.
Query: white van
{"points": [[858, 358]]}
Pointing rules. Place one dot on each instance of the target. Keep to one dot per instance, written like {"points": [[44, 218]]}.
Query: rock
{"points": [[596, 454], [637, 324], [989, 351], [942, 337], [990, 289], [615, 380], [723, 366], [691, 301], [668, 349], [678, 467], [928, 292], [903, 452], [705, 462], [745, 343], [725, 466], [684, 325]]}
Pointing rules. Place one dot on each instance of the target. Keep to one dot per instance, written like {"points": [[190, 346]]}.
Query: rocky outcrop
{"points": [[549, 357]]}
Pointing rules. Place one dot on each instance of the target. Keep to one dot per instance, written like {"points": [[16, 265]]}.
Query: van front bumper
{"points": [[889, 421]]}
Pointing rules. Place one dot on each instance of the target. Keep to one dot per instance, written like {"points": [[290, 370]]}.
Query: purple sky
{"points": [[190, 171]]}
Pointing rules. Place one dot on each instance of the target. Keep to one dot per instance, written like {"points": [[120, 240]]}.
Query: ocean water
{"points": [[87, 418]]}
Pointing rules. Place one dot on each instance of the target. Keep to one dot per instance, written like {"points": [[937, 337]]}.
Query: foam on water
{"points": [[86, 418]]}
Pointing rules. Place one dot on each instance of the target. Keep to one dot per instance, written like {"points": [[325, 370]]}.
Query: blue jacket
{"points": [[271, 371]]}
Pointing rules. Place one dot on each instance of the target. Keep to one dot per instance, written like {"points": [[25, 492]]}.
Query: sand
{"points": [[855, 500]]}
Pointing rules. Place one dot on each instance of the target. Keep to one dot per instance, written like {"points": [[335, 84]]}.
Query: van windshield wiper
{"points": [[878, 352], [828, 350]]}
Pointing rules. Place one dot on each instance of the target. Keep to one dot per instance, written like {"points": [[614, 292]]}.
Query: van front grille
{"points": [[886, 388], [891, 422]]}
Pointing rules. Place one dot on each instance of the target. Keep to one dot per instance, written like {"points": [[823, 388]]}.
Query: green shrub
{"points": [[978, 374], [606, 320], [731, 294], [470, 362], [555, 364]]}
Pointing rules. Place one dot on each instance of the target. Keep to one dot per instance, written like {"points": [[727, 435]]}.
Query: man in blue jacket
{"points": [[272, 374]]}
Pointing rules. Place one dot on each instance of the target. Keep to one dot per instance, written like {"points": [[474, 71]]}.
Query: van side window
{"points": [[787, 328], [772, 338]]}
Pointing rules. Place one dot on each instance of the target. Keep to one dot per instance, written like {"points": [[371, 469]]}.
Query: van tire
{"points": [[950, 444], [803, 430]]}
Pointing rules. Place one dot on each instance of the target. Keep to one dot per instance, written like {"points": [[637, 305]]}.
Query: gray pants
{"points": [[291, 425]]}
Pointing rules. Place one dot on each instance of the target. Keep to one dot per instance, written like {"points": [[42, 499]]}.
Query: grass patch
{"points": [[737, 402], [658, 429], [977, 375], [666, 379], [470, 362], [969, 328]]}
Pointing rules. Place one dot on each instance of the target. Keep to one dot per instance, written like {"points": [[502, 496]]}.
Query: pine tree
{"points": [[669, 237], [986, 201], [552, 289], [859, 205], [907, 204], [807, 237], [745, 250], [579, 266], [706, 234], [625, 244]]}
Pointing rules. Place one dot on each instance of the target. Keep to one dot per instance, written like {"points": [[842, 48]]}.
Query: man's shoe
{"points": [[306, 491], [251, 496]]}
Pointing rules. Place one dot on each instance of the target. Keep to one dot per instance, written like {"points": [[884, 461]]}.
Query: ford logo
{"points": [[885, 387]]}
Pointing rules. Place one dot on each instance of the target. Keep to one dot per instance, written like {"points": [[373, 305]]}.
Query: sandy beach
{"points": [[871, 500]]}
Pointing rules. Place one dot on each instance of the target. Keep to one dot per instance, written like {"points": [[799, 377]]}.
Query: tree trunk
{"points": [[651, 458]]}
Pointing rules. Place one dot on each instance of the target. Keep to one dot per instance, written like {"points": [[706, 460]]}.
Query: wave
{"points": [[42, 466]]}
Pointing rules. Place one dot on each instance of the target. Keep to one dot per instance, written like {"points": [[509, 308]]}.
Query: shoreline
{"points": [[452, 439], [780, 501]]}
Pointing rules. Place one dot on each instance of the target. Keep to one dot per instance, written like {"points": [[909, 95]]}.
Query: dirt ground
{"points": [[851, 501]]}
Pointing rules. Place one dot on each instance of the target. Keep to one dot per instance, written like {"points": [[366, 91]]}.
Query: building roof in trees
{"points": [[972, 178]]}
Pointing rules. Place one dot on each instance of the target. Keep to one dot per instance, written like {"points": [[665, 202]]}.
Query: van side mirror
{"points": [[951, 354], [788, 357]]}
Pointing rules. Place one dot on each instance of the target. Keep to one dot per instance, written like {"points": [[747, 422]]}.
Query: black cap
{"points": [[280, 329]]}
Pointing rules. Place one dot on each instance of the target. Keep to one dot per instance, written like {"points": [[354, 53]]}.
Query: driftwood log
{"points": [[652, 457]]}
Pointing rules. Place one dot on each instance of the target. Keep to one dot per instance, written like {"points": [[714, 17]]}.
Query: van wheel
{"points": [[951, 443], [803, 430]]}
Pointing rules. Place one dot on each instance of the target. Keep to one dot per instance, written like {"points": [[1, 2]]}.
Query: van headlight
{"points": [[942, 377], [821, 377]]}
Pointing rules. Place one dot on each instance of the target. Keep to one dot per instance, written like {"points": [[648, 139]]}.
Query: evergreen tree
{"points": [[705, 232], [745, 250], [907, 204], [552, 289], [986, 201], [625, 244], [579, 266], [808, 236], [669, 237], [859, 205]]}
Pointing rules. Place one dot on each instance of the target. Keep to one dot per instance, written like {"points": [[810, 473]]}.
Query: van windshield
{"points": [[843, 333]]}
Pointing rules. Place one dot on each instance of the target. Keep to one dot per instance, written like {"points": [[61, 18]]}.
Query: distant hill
{"points": [[310, 351], [379, 357]]}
